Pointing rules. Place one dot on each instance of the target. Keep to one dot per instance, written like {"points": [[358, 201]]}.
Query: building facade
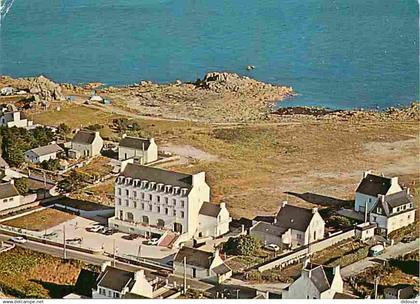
{"points": [[9, 196], [144, 150], [315, 282], [10, 117], [150, 200], [392, 212], [370, 187], [86, 143], [44, 153]]}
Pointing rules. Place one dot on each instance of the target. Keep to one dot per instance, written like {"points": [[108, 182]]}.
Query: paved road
{"points": [[99, 259], [390, 252]]}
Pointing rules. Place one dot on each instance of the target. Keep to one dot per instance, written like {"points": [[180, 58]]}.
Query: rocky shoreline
{"points": [[219, 97]]}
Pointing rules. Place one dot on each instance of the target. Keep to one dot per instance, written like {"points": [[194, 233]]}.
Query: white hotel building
{"points": [[151, 201]]}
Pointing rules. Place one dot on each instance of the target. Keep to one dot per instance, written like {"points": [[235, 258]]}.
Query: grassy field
{"points": [[40, 220], [260, 165], [29, 274]]}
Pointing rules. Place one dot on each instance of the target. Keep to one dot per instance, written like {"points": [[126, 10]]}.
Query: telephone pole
{"points": [[185, 275]]}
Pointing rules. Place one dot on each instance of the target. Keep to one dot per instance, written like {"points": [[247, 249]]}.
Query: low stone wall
{"points": [[85, 213], [300, 253]]}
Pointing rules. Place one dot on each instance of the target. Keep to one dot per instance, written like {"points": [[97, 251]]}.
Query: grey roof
{"points": [[194, 257], [374, 184], [268, 228], [343, 296], [321, 276], [221, 269], [210, 209], [294, 217], [135, 142], [151, 174], [406, 291], [8, 190], [116, 279], [45, 150], [392, 201], [85, 137]]}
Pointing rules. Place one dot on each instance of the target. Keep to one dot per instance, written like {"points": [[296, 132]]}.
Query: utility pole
{"points": [[113, 254], [366, 211], [185, 275], [376, 287], [237, 293], [64, 242]]}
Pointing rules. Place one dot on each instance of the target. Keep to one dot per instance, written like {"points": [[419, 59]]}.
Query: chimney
{"points": [[407, 190], [199, 178], [381, 197], [222, 205], [104, 265], [314, 210], [336, 270], [394, 181], [124, 135], [138, 275], [283, 204], [366, 173]]}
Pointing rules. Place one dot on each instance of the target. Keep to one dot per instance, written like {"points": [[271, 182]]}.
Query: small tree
{"points": [[14, 156], [243, 245], [51, 164], [22, 185], [63, 129]]}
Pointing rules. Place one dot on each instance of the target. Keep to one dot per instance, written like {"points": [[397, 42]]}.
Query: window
{"points": [[142, 206], [5, 200], [158, 209], [10, 199], [127, 192], [174, 212], [142, 195], [158, 199], [116, 295], [135, 204], [150, 207], [119, 191], [166, 200], [174, 202], [135, 193], [299, 236], [378, 210], [182, 204], [121, 214], [150, 197], [126, 202], [408, 216], [119, 201], [182, 214], [166, 210], [373, 218]]}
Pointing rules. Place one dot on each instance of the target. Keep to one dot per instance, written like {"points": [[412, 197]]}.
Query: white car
{"points": [[272, 247], [153, 241], [18, 239], [96, 228]]}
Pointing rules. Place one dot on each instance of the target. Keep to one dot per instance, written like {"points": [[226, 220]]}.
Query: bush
{"points": [[243, 245], [51, 164], [22, 185]]}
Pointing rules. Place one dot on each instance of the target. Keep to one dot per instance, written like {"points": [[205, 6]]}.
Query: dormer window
{"points": [[168, 188], [136, 182], [159, 187], [378, 210], [143, 184], [152, 185], [184, 191], [176, 190]]}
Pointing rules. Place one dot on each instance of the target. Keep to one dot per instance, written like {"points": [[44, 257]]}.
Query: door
{"points": [[178, 227]]}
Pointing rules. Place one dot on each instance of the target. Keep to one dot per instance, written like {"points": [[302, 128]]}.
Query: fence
{"points": [[300, 253]]}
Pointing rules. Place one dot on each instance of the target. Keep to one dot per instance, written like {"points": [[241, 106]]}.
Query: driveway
{"points": [[390, 252]]}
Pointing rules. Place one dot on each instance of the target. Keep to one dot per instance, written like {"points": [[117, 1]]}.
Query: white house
{"points": [[143, 149], [370, 187], [213, 220], [9, 196], [115, 283], [201, 265], [86, 143], [292, 227], [151, 201], [11, 117], [393, 211], [44, 153], [315, 282]]}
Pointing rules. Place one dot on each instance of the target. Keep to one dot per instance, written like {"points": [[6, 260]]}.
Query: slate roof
{"points": [[194, 257], [8, 190], [221, 269], [210, 209], [45, 150], [85, 137], [294, 217], [157, 175], [392, 201], [135, 143], [116, 279], [374, 184], [268, 228], [321, 276]]}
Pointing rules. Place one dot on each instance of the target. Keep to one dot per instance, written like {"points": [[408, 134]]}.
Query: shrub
{"points": [[51, 164], [22, 185], [243, 245]]}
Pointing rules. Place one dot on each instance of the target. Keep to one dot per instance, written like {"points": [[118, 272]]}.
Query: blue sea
{"points": [[334, 53]]}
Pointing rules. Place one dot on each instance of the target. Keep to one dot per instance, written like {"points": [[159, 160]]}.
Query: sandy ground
{"points": [[189, 152]]}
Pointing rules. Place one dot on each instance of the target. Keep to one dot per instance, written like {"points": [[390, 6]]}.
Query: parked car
{"points": [[95, 228], [18, 239], [51, 235], [108, 231], [130, 237], [408, 239], [376, 250], [272, 247], [74, 241], [153, 241]]}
